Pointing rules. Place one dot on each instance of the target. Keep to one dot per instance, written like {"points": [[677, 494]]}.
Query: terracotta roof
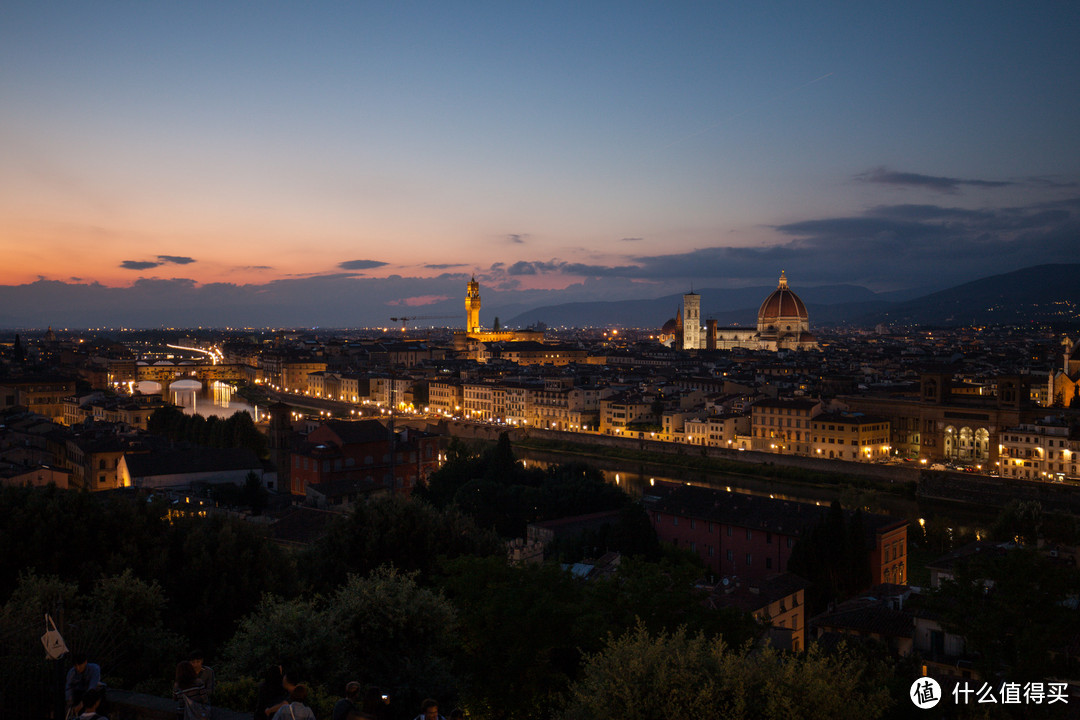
{"points": [[782, 303], [869, 616], [191, 461], [751, 595], [357, 431]]}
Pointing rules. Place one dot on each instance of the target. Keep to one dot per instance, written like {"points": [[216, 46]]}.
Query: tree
{"points": [[498, 492], [834, 556], [238, 431], [668, 675], [463, 463], [118, 622], [1013, 611], [293, 633], [253, 494], [408, 534], [630, 534], [1020, 521], [395, 634], [521, 628], [663, 596], [383, 628], [524, 629], [215, 571], [78, 537]]}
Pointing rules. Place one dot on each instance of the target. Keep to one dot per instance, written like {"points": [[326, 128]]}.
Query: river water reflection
{"points": [[214, 398], [636, 479]]}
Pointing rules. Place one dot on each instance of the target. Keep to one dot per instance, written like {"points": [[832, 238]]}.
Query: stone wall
{"points": [[126, 705], [998, 492]]}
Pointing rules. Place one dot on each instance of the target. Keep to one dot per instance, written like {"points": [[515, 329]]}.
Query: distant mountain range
{"points": [[1043, 293]]}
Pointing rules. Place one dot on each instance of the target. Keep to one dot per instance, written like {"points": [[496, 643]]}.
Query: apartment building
{"points": [[850, 436], [784, 426]]}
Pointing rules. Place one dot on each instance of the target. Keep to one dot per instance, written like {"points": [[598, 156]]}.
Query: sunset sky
{"points": [[614, 149]]}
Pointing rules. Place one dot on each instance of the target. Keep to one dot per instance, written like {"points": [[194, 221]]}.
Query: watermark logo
{"points": [[925, 693]]}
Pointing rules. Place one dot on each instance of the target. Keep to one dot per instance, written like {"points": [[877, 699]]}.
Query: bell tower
{"points": [[691, 321], [472, 306]]}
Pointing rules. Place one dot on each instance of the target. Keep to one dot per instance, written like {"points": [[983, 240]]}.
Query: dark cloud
{"points": [[361, 264], [253, 267], [863, 234], [913, 241], [927, 212], [165, 286], [522, 268], [885, 176], [887, 245], [536, 267], [333, 276], [443, 266], [1051, 182], [161, 260], [601, 270], [631, 239], [517, 238]]}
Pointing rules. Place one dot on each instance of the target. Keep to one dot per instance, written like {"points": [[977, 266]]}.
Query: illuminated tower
{"points": [[691, 321], [472, 307]]}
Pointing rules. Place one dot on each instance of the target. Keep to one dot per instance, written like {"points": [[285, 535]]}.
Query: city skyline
{"points": [[564, 153]]}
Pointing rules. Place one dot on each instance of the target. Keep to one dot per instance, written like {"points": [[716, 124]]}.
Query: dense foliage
{"points": [[211, 571], [523, 629], [1016, 612], [408, 534], [384, 628], [119, 617], [834, 556], [237, 431], [500, 493], [640, 675]]}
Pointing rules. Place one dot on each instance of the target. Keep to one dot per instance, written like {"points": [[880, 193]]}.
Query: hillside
{"points": [[1042, 293]]}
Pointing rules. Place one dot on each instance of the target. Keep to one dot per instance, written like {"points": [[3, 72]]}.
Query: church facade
{"points": [[783, 324]]}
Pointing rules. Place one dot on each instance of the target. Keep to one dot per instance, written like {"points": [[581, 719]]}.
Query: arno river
{"points": [[636, 479], [206, 399]]}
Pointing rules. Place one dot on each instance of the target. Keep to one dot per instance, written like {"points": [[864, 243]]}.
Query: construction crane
{"points": [[405, 320]]}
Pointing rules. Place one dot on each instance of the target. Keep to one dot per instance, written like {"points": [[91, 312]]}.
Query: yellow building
{"points": [[472, 307], [618, 411], [783, 426], [1041, 450], [778, 600], [475, 334], [850, 436], [560, 406], [445, 396], [478, 400], [43, 395], [528, 352]]}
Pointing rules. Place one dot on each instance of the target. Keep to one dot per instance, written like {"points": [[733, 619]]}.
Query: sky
{"points": [[558, 151]]}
